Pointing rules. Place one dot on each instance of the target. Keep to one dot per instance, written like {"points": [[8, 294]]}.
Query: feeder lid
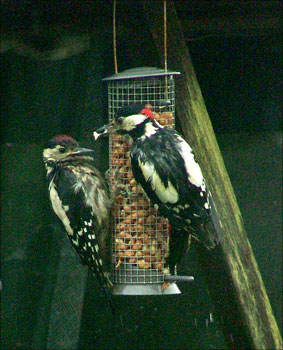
{"points": [[140, 72]]}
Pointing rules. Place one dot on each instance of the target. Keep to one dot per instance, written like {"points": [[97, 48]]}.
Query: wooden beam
{"points": [[235, 283]]}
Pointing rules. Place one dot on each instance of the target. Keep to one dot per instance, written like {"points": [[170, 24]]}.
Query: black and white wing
{"points": [[166, 168], [85, 231]]}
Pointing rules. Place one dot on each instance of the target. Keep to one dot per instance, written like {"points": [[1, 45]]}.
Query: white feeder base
{"points": [[144, 289]]}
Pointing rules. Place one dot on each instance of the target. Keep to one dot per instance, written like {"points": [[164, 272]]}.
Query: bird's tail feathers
{"points": [[206, 234], [178, 245]]}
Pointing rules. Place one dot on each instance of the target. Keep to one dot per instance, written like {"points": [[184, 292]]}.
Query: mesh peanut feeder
{"points": [[140, 235]]}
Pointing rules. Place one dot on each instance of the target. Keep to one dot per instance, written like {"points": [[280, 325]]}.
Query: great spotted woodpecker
{"points": [[80, 200], [164, 165]]}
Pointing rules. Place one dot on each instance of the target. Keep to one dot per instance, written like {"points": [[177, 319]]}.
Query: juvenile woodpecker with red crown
{"points": [[164, 165], [80, 200]]}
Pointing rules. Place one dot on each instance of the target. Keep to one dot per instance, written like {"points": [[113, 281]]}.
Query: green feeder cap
{"points": [[140, 72]]}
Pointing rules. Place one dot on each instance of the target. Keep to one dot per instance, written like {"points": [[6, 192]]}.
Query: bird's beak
{"points": [[104, 130], [79, 151]]}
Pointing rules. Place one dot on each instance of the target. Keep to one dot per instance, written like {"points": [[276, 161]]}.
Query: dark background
{"points": [[47, 300]]}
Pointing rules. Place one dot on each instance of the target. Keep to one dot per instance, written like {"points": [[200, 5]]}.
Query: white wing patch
{"points": [[192, 167], [58, 208], [165, 194]]}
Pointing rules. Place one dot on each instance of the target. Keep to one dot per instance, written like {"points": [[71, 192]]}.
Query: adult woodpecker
{"points": [[80, 200], [164, 165]]}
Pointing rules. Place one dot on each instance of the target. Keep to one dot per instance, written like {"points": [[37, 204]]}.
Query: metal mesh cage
{"points": [[140, 235]]}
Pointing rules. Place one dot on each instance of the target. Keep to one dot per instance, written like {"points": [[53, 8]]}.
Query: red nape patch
{"points": [[148, 113]]}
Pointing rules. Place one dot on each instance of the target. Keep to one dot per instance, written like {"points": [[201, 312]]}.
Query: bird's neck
{"points": [[145, 130]]}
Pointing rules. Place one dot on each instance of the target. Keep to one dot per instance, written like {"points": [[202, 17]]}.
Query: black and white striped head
{"points": [[126, 121], [63, 148]]}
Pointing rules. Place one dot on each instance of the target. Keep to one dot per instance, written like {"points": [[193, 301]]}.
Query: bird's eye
{"points": [[62, 149], [120, 120]]}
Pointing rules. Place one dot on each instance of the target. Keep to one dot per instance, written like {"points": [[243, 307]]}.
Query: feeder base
{"points": [[147, 289]]}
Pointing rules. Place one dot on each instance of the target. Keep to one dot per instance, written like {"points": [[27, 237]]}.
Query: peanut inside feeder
{"points": [[140, 236]]}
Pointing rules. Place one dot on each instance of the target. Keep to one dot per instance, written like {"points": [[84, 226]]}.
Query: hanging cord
{"points": [[165, 47], [114, 38]]}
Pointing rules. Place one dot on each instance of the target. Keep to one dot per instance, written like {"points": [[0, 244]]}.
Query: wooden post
{"points": [[235, 283]]}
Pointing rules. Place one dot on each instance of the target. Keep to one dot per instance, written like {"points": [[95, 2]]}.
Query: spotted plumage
{"points": [[79, 198], [164, 165]]}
